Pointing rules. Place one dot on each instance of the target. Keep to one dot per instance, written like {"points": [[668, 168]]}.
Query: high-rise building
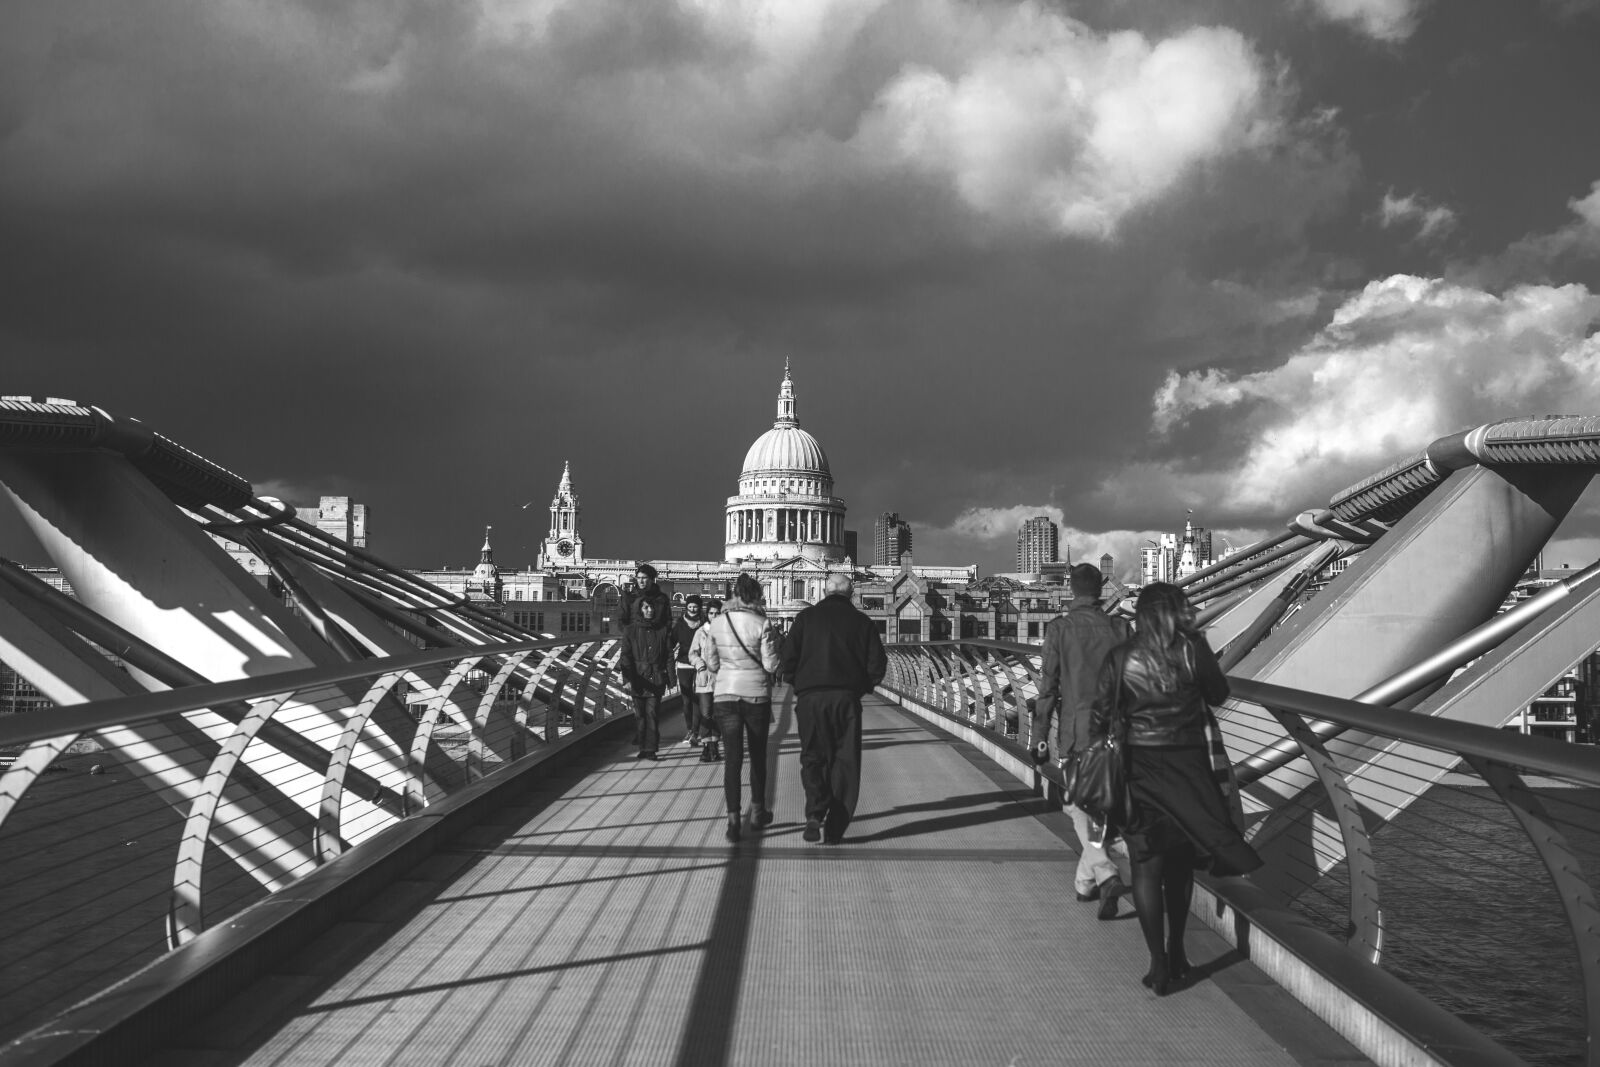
{"points": [[891, 539], [1038, 543]]}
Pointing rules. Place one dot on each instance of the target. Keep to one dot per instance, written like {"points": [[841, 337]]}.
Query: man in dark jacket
{"points": [[1075, 646], [833, 656], [643, 663], [645, 577]]}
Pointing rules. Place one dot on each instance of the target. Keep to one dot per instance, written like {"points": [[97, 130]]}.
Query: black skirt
{"points": [[1176, 801]]}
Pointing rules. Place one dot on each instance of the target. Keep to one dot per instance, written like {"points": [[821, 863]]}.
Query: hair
{"points": [[692, 598], [836, 583], [646, 607], [1164, 625], [646, 570], [747, 589], [712, 602], [1086, 580]]}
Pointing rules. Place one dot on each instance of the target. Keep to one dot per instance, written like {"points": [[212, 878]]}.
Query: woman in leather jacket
{"points": [[1157, 687]]}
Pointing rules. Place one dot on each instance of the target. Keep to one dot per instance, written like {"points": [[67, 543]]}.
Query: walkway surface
{"points": [[608, 922]]}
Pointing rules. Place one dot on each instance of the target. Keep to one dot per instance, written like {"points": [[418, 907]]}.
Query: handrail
{"points": [[146, 707], [248, 816], [925, 674]]}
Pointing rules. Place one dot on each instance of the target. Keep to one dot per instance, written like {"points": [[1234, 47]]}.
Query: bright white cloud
{"points": [[1383, 20], [1044, 122], [1431, 220], [1404, 361]]}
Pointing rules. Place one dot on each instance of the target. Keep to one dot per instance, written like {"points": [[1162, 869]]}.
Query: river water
{"points": [[1472, 919]]}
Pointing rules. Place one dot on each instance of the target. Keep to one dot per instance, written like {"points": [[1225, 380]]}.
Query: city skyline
{"points": [[280, 243]]}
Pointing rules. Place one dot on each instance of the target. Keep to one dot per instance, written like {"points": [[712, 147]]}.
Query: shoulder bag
{"points": [[1097, 776]]}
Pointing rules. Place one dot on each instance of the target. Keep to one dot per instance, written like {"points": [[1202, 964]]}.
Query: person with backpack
{"points": [[742, 654]]}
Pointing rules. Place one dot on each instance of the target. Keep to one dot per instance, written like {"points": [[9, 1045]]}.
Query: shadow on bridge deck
{"points": [[607, 921]]}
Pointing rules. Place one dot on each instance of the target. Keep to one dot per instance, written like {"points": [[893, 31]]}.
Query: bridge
{"points": [[372, 822]]}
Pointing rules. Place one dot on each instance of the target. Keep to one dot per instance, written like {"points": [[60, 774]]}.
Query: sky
{"points": [[1108, 261]]}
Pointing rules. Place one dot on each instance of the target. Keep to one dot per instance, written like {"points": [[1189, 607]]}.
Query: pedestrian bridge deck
{"points": [[606, 920]]}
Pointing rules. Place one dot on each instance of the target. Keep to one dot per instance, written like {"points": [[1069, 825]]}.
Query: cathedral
{"points": [[784, 526]]}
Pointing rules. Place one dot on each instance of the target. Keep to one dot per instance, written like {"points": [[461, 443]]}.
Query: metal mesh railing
{"points": [[130, 825], [1455, 856]]}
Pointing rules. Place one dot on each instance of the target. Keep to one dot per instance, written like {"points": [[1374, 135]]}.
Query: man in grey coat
{"points": [[1075, 646]]}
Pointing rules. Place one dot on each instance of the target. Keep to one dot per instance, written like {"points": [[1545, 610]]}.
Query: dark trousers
{"points": [[647, 705], [691, 706], [707, 721], [829, 721], [739, 720]]}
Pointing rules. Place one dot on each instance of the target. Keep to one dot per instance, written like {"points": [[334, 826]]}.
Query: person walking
{"points": [[643, 663], [705, 680], [833, 656], [741, 653], [1157, 687], [683, 632], [1076, 644], [644, 588]]}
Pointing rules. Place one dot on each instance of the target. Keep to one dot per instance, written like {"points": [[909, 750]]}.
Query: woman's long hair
{"points": [[1164, 625]]}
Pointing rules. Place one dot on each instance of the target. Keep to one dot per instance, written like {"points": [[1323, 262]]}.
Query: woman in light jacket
{"points": [[743, 654], [704, 681]]}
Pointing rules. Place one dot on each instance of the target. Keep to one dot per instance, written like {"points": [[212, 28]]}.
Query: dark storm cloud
{"points": [[427, 252]]}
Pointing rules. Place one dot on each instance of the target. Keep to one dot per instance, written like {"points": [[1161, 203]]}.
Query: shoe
{"points": [[1177, 963], [708, 755], [1158, 980], [691, 740], [1093, 894], [1110, 890], [733, 827], [813, 830], [647, 755], [833, 839], [761, 818]]}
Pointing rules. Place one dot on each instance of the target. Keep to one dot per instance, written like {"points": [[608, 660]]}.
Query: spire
{"points": [[564, 491], [786, 399], [486, 554]]}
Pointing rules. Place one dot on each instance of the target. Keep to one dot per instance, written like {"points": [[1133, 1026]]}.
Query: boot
{"points": [[733, 826]]}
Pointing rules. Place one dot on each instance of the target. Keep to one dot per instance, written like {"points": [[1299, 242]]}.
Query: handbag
{"points": [[1097, 776]]}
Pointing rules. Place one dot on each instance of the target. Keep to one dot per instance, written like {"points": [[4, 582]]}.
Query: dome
{"points": [[787, 449]]}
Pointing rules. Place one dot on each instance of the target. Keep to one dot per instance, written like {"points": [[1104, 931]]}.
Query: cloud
{"points": [[1404, 361], [1431, 220], [1542, 256], [333, 137], [1390, 21], [1045, 122]]}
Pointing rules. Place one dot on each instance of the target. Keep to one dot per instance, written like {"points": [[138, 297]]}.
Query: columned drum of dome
{"points": [[785, 506]]}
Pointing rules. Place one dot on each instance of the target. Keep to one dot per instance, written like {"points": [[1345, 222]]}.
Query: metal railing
{"points": [[130, 825], [1460, 869]]}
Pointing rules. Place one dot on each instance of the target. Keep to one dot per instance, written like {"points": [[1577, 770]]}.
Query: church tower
{"points": [[486, 576], [563, 545]]}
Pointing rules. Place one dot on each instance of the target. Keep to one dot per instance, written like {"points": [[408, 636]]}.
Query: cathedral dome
{"points": [[788, 449]]}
